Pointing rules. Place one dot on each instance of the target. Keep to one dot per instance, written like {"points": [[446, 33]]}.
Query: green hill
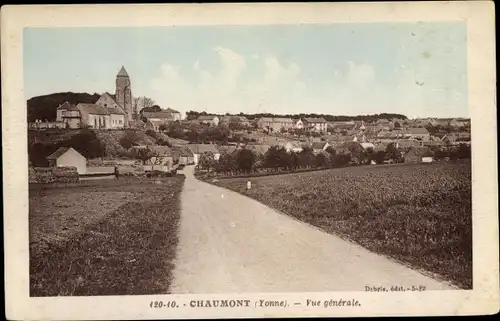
{"points": [[44, 107]]}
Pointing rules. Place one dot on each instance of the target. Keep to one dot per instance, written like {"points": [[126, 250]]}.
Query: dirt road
{"points": [[230, 243]]}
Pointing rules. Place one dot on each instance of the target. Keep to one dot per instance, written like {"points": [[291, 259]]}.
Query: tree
{"points": [[355, 151], [431, 129], [245, 160], [378, 157], [332, 153], [393, 153], [463, 151], [86, 143], [154, 108], [194, 132], [218, 134], [163, 127], [206, 160], [129, 139], [368, 155], [144, 154], [151, 133], [226, 163], [342, 159], [135, 102], [163, 142], [148, 102], [306, 157], [276, 157], [321, 160]]}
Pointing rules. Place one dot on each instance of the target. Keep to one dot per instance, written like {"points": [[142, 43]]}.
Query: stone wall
{"points": [[46, 175]]}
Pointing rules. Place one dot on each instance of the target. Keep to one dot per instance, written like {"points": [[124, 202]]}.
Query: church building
{"points": [[108, 112]]}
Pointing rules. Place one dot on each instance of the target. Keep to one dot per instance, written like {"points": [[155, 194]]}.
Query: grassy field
{"points": [[419, 214], [103, 237]]}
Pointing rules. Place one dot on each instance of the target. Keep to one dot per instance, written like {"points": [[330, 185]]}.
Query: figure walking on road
{"points": [[117, 173]]}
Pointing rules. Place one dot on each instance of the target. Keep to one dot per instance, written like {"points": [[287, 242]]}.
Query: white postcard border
{"points": [[479, 16]]}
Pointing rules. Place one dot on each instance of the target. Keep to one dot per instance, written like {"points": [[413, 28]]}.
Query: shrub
{"points": [[129, 139], [151, 133]]}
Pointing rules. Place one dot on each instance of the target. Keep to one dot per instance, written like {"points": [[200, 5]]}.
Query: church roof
{"points": [[110, 95], [122, 73], [115, 111], [93, 109]]}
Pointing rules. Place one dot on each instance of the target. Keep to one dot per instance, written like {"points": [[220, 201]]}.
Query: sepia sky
{"points": [[417, 69]]}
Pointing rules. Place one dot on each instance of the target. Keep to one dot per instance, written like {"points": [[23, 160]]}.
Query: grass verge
{"points": [[129, 250]]}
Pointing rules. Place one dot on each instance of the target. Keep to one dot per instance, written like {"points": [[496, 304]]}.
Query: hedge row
{"points": [[45, 175]]}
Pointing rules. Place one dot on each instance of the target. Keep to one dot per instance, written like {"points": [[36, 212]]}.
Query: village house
{"points": [[158, 115], [456, 138], [424, 122], [397, 123], [407, 143], [384, 124], [68, 156], [381, 146], [456, 123], [176, 115], [210, 120], [165, 115], [417, 155], [241, 121], [371, 130], [433, 143], [155, 124], [315, 124], [367, 146], [162, 159], [299, 124], [228, 149], [184, 154], [417, 133], [199, 149], [275, 124], [68, 114], [342, 127]]}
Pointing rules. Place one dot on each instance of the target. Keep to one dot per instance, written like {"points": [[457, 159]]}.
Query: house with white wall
{"points": [[68, 156]]}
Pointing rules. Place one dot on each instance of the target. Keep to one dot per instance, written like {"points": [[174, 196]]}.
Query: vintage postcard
{"points": [[249, 160]]}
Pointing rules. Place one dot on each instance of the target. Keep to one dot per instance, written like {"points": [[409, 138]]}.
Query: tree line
{"points": [[277, 159], [367, 118], [204, 133]]}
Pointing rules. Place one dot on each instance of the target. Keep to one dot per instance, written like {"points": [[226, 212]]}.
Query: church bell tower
{"points": [[124, 93]]}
